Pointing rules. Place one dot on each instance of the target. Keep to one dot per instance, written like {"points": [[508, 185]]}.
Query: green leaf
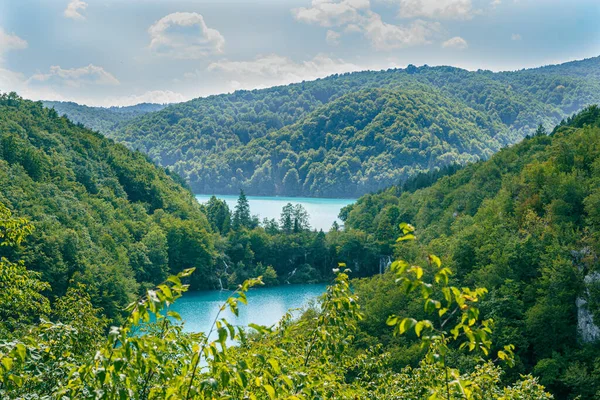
{"points": [[275, 365], [417, 270], [392, 320], [21, 351], [174, 315], [7, 362], [186, 272], [270, 391], [419, 327], [166, 290], [175, 280], [222, 335], [407, 324], [410, 236], [406, 228], [435, 260]]}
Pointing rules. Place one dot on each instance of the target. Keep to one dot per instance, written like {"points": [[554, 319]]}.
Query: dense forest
{"points": [[350, 134], [104, 216], [88, 226], [107, 217], [525, 225], [101, 119]]}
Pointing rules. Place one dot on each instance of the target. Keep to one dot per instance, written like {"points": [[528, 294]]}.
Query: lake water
{"points": [[265, 306], [322, 211]]}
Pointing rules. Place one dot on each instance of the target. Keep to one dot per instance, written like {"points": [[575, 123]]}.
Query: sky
{"points": [[109, 52]]}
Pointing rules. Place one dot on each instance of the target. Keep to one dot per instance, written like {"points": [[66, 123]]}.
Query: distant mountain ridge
{"points": [[255, 139], [101, 119]]}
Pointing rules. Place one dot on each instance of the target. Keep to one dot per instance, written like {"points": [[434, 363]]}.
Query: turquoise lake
{"points": [[322, 211], [265, 306]]}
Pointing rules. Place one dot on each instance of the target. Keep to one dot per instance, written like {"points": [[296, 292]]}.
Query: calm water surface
{"points": [[322, 211], [265, 306]]}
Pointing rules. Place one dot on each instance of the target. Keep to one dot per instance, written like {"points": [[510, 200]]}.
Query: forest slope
{"points": [[358, 143], [103, 215], [188, 137], [525, 224]]}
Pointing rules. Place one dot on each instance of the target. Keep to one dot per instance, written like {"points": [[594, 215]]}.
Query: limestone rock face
{"points": [[589, 331]]}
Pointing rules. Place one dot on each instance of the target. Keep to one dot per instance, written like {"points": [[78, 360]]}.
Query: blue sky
{"points": [[108, 52]]}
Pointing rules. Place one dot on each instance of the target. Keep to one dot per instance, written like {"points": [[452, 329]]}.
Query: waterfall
{"points": [[220, 284], [290, 275], [384, 263]]}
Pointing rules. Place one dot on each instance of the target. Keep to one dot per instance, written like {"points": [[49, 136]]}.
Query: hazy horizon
{"points": [[324, 77]]}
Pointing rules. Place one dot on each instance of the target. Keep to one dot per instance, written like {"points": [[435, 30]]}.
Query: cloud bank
{"points": [[184, 35]]}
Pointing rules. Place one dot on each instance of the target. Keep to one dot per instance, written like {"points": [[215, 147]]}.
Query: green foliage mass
{"points": [[525, 225], [68, 357], [350, 134], [104, 216], [282, 251]]}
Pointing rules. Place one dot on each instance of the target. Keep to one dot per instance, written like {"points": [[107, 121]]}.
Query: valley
{"points": [[326, 199], [347, 135]]}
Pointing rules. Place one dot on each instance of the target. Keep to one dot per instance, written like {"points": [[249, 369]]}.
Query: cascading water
{"points": [[290, 276], [384, 263]]}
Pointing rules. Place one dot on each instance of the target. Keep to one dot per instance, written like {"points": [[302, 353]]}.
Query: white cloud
{"points": [[73, 9], [75, 77], [496, 3], [456, 43], [333, 37], [357, 16], [10, 41], [185, 35], [515, 36], [331, 13], [436, 9], [10, 80], [273, 69], [384, 36]]}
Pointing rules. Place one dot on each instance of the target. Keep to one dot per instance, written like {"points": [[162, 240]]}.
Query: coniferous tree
{"points": [[287, 218], [540, 131], [241, 216]]}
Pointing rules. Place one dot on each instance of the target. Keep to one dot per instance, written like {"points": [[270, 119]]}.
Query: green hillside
{"points": [[360, 142], [525, 224], [208, 141], [103, 215]]}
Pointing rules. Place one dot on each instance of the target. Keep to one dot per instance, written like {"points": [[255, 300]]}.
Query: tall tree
{"points": [[241, 216], [540, 131], [301, 222], [287, 218], [219, 215]]}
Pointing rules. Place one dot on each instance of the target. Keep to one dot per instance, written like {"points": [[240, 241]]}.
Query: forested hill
{"points": [[526, 225], [587, 68], [209, 141], [357, 143], [103, 215], [101, 119]]}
